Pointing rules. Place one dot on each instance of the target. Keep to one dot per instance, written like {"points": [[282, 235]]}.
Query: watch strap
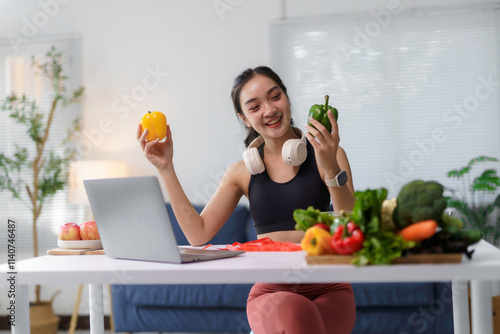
{"points": [[338, 181]]}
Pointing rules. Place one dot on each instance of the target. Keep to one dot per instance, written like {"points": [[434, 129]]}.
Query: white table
{"points": [[251, 267]]}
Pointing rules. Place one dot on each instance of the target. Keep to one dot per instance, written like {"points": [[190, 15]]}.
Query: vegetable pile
{"points": [[379, 229]]}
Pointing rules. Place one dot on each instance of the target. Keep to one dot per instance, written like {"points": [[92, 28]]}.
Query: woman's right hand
{"points": [[158, 153]]}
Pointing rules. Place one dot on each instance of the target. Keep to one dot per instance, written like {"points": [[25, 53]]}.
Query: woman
{"points": [[260, 100]]}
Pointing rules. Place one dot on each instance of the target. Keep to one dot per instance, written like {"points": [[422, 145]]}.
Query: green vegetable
{"points": [[367, 209], [446, 242], [325, 218], [469, 236], [381, 248], [417, 201], [306, 218], [451, 224], [319, 113]]}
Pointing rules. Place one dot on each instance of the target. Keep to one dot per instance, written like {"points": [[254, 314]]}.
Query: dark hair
{"points": [[238, 84]]}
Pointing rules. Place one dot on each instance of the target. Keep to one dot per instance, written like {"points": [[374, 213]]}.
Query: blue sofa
{"points": [[382, 308]]}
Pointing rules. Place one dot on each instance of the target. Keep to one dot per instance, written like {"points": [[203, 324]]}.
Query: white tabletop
{"points": [[251, 267]]}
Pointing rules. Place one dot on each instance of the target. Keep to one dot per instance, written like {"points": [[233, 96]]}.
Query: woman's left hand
{"points": [[325, 144]]}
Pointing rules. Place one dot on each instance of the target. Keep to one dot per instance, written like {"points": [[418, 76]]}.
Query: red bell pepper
{"points": [[323, 226], [347, 239]]}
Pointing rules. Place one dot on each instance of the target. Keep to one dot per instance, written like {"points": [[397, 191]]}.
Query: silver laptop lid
{"points": [[132, 219]]}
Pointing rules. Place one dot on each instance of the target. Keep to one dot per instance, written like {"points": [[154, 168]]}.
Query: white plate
{"points": [[79, 244]]}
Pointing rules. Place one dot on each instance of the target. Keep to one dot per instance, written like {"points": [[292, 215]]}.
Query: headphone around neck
{"points": [[293, 153]]}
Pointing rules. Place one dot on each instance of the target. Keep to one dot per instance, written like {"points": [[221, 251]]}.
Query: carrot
{"points": [[419, 231]]}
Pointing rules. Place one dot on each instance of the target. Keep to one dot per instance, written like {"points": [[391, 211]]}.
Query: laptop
{"points": [[134, 223]]}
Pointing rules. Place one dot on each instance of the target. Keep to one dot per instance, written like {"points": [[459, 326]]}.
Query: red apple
{"points": [[88, 231], [69, 231]]}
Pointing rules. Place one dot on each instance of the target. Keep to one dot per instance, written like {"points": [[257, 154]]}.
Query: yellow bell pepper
{"points": [[156, 123], [316, 241]]}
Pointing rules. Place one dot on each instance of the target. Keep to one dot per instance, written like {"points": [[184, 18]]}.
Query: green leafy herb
{"points": [[366, 212], [306, 218], [381, 248]]}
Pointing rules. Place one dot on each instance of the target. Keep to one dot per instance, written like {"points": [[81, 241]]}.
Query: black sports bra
{"points": [[272, 204]]}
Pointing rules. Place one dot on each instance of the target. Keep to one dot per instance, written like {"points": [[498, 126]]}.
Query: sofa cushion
{"points": [[191, 320], [403, 320], [235, 228], [189, 295], [390, 294]]}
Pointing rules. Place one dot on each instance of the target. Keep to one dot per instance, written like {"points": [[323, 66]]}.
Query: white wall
{"points": [[199, 55], [200, 46]]}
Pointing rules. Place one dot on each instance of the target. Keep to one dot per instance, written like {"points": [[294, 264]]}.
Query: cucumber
{"points": [[469, 236]]}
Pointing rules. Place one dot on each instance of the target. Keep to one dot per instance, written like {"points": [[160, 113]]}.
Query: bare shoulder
{"points": [[238, 176], [236, 169]]}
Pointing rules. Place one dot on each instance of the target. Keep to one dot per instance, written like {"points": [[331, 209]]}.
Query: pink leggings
{"points": [[301, 308]]}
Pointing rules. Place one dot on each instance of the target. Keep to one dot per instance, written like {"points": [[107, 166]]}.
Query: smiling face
{"points": [[265, 107]]}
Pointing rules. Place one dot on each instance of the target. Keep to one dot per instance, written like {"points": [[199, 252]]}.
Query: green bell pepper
{"points": [[319, 113]]}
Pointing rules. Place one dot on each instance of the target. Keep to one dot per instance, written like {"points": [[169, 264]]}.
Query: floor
{"points": [[106, 332], [83, 331]]}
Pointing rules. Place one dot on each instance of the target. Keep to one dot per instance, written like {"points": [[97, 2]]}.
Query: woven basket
{"points": [[43, 320]]}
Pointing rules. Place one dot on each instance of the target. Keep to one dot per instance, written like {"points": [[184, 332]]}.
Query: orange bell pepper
{"points": [[316, 241], [156, 123]]}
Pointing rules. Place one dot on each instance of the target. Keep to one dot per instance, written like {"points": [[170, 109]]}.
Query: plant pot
{"points": [[43, 320]]}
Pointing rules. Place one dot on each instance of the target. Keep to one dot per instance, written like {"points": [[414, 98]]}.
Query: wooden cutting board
{"points": [[412, 259], [71, 251]]}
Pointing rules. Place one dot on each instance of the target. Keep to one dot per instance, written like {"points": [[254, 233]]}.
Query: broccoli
{"points": [[417, 201]]}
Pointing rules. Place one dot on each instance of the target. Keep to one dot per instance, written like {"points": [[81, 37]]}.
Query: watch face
{"points": [[342, 178]]}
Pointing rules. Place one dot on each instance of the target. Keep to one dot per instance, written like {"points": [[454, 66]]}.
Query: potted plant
{"points": [[48, 166], [472, 201]]}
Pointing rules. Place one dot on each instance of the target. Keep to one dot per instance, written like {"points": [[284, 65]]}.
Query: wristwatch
{"points": [[338, 181]]}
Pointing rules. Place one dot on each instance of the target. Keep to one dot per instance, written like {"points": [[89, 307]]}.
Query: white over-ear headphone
{"points": [[293, 153]]}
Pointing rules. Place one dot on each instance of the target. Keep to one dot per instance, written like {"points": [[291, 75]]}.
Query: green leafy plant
{"points": [[48, 166], [471, 202]]}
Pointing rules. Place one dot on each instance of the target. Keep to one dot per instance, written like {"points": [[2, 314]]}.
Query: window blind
{"points": [[17, 75], [417, 91]]}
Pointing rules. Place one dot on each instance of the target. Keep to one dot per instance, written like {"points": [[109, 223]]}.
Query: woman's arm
{"points": [[331, 159], [200, 228], [342, 197], [197, 228]]}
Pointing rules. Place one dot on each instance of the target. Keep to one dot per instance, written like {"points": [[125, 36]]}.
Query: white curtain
{"points": [[17, 75], [417, 91]]}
